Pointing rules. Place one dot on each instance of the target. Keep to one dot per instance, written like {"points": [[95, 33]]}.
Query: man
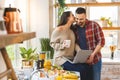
{"points": [[89, 36]]}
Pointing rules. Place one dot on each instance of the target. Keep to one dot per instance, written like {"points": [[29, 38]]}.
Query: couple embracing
{"points": [[67, 39]]}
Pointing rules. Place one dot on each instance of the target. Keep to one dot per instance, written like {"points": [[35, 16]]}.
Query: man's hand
{"points": [[90, 59]]}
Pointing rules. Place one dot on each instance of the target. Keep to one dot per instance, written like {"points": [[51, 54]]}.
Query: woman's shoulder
{"points": [[57, 30]]}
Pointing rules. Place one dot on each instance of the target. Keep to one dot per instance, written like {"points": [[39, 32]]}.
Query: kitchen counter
{"points": [[110, 67], [111, 61]]}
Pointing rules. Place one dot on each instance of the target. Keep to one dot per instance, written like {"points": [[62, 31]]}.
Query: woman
{"points": [[64, 53]]}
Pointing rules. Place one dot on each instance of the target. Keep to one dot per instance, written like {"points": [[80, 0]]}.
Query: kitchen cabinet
{"points": [[9, 39], [110, 69], [110, 72]]}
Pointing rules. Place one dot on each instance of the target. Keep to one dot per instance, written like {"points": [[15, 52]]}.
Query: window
{"points": [[95, 13], [111, 37], [108, 12]]}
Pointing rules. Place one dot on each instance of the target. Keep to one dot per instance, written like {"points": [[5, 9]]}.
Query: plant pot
{"points": [[104, 23], [27, 63]]}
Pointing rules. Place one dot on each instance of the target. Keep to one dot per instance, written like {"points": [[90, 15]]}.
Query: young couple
{"points": [[84, 34]]}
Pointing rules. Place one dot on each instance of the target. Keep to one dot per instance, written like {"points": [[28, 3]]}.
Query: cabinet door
{"points": [[110, 72]]}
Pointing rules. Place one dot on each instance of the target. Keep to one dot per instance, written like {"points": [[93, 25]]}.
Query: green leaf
{"points": [[28, 54], [45, 45]]}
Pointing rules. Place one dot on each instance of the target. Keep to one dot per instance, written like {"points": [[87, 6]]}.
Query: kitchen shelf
{"points": [[9, 39], [91, 4], [6, 40], [111, 28]]}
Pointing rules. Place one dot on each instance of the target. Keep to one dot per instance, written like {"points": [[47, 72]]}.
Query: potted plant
{"points": [[61, 8], [106, 21], [45, 46], [28, 56]]}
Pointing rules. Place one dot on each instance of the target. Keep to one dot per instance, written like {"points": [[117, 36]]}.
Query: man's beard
{"points": [[80, 23]]}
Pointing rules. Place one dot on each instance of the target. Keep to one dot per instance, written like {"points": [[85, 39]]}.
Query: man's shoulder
{"points": [[92, 23]]}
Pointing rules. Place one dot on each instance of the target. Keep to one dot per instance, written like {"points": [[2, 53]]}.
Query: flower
{"points": [[102, 18]]}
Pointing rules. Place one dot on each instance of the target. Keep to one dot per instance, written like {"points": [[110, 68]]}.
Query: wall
{"points": [[39, 17], [35, 17]]}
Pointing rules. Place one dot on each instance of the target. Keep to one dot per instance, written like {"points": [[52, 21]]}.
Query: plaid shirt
{"points": [[94, 36]]}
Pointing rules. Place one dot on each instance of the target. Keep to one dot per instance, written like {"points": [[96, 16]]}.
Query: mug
{"points": [[67, 43]]}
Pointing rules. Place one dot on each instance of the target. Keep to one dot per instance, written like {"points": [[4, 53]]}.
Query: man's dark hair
{"points": [[80, 10]]}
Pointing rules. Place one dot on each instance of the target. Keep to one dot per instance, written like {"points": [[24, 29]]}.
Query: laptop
{"points": [[81, 56]]}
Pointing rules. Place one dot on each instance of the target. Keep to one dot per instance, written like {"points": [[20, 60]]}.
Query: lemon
{"points": [[59, 77], [70, 76]]}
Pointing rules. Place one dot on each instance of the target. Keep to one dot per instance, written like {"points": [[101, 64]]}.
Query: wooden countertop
{"points": [[8, 39]]}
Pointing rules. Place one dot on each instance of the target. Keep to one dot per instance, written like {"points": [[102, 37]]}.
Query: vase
{"points": [[112, 49], [104, 23]]}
